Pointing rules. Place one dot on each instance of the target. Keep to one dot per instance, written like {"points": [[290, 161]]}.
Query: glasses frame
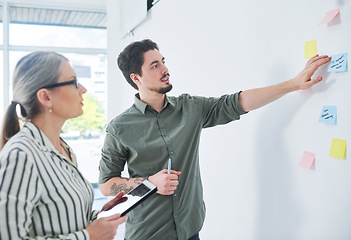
{"points": [[75, 82]]}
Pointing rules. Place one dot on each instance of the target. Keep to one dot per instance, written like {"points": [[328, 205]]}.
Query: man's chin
{"points": [[166, 89]]}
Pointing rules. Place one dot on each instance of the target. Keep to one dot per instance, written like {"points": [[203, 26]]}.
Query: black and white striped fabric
{"points": [[42, 194]]}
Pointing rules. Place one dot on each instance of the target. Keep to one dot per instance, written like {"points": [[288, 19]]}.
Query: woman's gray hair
{"points": [[32, 72]]}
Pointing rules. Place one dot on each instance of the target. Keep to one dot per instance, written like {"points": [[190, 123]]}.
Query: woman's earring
{"points": [[50, 110]]}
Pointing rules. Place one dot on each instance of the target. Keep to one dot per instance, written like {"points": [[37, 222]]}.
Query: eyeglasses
{"points": [[75, 82]]}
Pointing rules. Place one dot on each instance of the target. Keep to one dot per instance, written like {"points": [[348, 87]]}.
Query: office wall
{"points": [[253, 186]]}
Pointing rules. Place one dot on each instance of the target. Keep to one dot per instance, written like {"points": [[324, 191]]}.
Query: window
{"points": [[2, 110], [57, 36], [80, 36]]}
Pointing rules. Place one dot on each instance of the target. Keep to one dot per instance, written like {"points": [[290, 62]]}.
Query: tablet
{"points": [[134, 198]]}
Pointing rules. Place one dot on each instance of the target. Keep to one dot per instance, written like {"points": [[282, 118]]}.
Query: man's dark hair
{"points": [[131, 58]]}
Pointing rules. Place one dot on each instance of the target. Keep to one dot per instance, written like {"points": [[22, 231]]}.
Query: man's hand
{"points": [[166, 183], [303, 80], [259, 97]]}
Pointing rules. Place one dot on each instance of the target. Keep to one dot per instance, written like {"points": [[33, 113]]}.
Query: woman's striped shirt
{"points": [[42, 194]]}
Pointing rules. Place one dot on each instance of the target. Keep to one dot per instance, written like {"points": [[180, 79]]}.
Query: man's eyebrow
{"points": [[156, 61]]}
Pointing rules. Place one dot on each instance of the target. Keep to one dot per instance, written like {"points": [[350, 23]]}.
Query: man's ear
{"points": [[136, 78], [44, 97]]}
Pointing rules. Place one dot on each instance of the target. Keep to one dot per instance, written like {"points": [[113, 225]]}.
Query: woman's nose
{"points": [[82, 88]]}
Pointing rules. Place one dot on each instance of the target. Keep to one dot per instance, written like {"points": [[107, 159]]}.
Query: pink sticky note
{"points": [[307, 160], [330, 16]]}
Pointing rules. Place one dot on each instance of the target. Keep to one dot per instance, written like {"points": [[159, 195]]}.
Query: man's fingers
{"points": [[318, 60], [175, 172], [311, 60]]}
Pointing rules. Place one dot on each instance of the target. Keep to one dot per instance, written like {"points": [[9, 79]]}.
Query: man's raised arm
{"points": [[259, 97]]}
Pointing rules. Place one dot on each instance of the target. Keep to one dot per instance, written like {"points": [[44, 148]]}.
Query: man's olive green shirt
{"points": [[145, 139]]}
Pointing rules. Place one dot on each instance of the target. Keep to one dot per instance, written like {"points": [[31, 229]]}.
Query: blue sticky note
{"points": [[328, 115], [338, 63]]}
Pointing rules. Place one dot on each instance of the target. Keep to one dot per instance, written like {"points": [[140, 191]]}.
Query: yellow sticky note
{"points": [[338, 148], [310, 49]]}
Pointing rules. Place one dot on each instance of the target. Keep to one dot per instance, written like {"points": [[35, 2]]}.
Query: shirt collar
{"points": [[141, 106], [43, 142]]}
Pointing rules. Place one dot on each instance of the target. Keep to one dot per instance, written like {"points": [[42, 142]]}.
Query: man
{"points": [[158, 127]]}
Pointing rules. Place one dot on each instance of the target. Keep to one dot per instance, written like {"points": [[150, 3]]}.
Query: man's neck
{"points": [[156, 100]]}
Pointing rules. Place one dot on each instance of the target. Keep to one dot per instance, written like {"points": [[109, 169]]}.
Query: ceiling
{"points": [[57, 16]]}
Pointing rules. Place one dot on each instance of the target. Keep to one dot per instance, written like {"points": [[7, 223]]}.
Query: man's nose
{"points": [[164, 69]]}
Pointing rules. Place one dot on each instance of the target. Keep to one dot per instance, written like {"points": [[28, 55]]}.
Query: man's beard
{"points": [[166, 89], [163, 90]]}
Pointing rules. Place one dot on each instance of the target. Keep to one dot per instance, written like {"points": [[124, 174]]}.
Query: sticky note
{"points": [[338, 63], [328, 115], [310, 49], [329, 16], [307, 160], [338, 148]]}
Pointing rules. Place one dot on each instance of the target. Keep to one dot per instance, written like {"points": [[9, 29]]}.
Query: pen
{"points": [[169, 165]]}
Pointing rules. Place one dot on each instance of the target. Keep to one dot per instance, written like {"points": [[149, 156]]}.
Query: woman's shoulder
{"points": [[20, 143]]}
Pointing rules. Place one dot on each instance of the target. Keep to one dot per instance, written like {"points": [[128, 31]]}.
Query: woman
{"points": [[42, 193]]}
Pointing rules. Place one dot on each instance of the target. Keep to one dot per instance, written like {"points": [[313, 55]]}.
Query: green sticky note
{"points": [[310, 49], [338, 148]]}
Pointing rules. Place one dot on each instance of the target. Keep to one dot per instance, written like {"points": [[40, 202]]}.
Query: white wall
{"points": [[218, 47]]}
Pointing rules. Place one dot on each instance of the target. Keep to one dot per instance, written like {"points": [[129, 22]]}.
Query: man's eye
{"points": [[154, 66]]}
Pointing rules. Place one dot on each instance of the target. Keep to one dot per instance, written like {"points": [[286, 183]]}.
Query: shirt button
{"points": [[171, 153], [174, 195]]}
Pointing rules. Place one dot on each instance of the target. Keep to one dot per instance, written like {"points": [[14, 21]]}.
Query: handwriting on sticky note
{"points": [[338, 63], [338, 148], [310, 49], [307, 160], [329, 16], [328, 115]]}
